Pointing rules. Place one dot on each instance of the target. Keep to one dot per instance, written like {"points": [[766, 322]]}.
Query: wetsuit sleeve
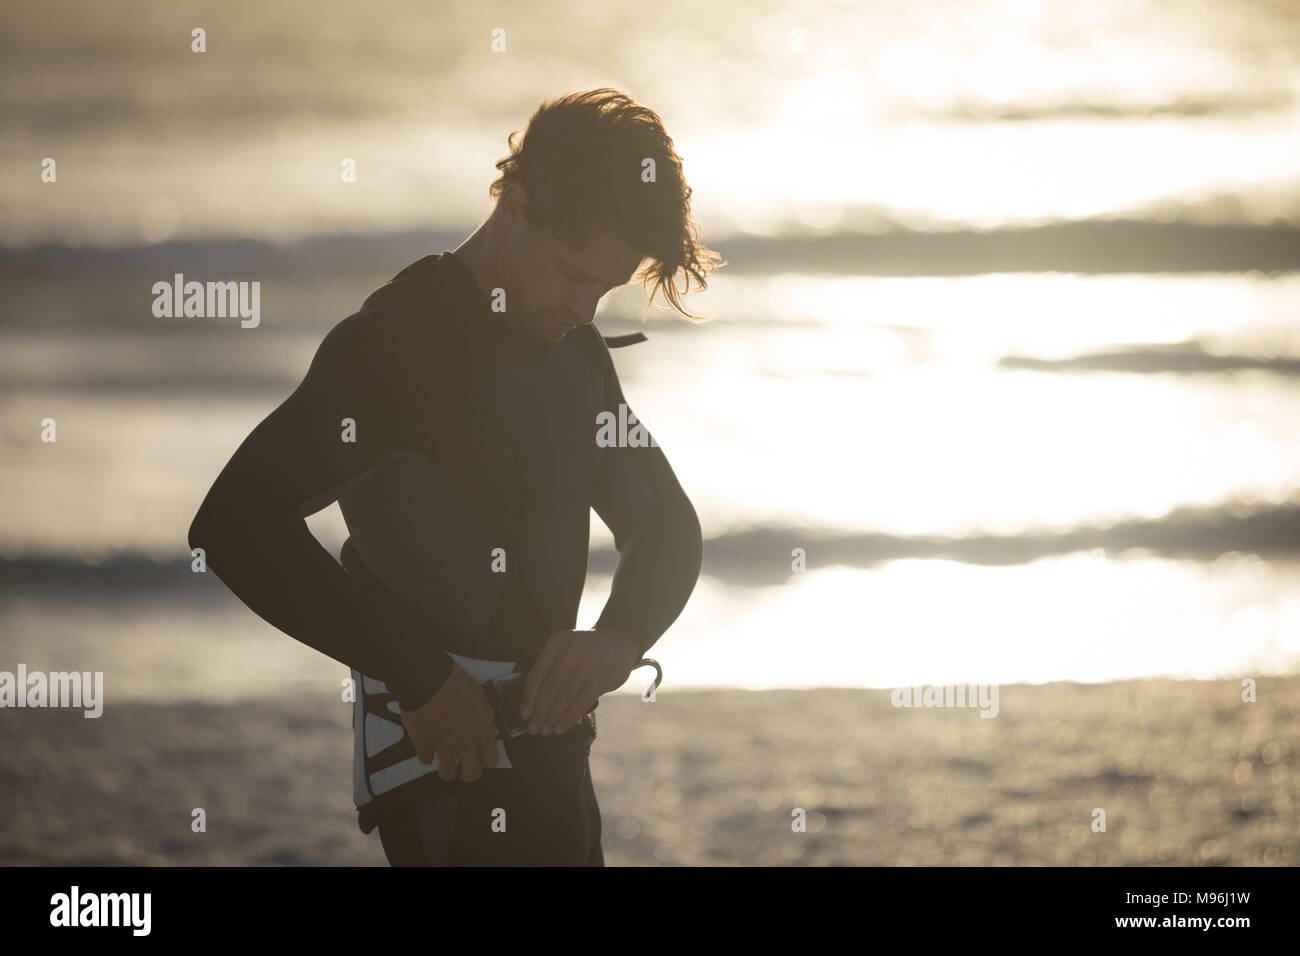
{"points": [[296, 462], [655, 530]]}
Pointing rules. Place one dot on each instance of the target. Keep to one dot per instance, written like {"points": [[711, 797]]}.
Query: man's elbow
{"points": [[692, 534], [697, 536], [198, 535], [205, 530]]}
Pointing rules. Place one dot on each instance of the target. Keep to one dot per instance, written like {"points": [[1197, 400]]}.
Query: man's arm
{"points": [[293, 464], [656, 532], [660, 550]]}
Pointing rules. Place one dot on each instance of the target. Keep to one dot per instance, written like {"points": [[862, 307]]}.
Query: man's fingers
{"points": [[566, 695], [423, 754], [470, 769], [551, 652], [488, 753], [582, 702], [562, 684], [544, 709], [447, 768]]}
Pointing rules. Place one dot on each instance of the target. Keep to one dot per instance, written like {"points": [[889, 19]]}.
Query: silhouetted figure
{"points": [[467, 419]]}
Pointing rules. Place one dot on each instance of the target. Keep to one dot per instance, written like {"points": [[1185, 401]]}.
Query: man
{"points": [[455, 418]]}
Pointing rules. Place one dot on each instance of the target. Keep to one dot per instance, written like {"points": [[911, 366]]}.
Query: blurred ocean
{"points": [[1008, 342]]}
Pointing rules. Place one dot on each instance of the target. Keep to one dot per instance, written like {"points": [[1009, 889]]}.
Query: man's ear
{"points": [[514, 203]]}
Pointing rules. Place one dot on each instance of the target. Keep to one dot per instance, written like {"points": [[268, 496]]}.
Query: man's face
{"points": [[553, 288]]}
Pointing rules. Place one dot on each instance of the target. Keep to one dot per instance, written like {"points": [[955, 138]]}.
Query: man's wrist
{"points": [[629, 642], [421, 685]]}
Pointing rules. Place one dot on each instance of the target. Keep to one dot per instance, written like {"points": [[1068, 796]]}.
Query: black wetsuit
{"points": [[467, 437]]}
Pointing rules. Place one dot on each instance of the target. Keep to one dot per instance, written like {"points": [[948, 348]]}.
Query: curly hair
{"points": [[581, 164]]}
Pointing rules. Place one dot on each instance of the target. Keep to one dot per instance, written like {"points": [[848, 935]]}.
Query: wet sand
{"points": [[1186, 773]]}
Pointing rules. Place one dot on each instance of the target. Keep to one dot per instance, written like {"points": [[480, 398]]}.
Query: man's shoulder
{"points": [[407, 320], [413, 302], [416, 289]]}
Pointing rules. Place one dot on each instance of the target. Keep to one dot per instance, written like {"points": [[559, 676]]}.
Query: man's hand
{"points": [[573, 670], [456, 721]]}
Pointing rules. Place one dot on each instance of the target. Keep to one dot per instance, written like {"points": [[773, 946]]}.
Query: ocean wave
{"points": [[761, 556], [1102, 245]]}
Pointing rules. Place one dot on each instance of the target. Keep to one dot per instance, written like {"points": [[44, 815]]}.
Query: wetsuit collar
{"points": [[492, 324]]}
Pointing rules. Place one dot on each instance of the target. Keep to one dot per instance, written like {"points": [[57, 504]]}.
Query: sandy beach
{"points": [[1186, 773], [1000, 382]]}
